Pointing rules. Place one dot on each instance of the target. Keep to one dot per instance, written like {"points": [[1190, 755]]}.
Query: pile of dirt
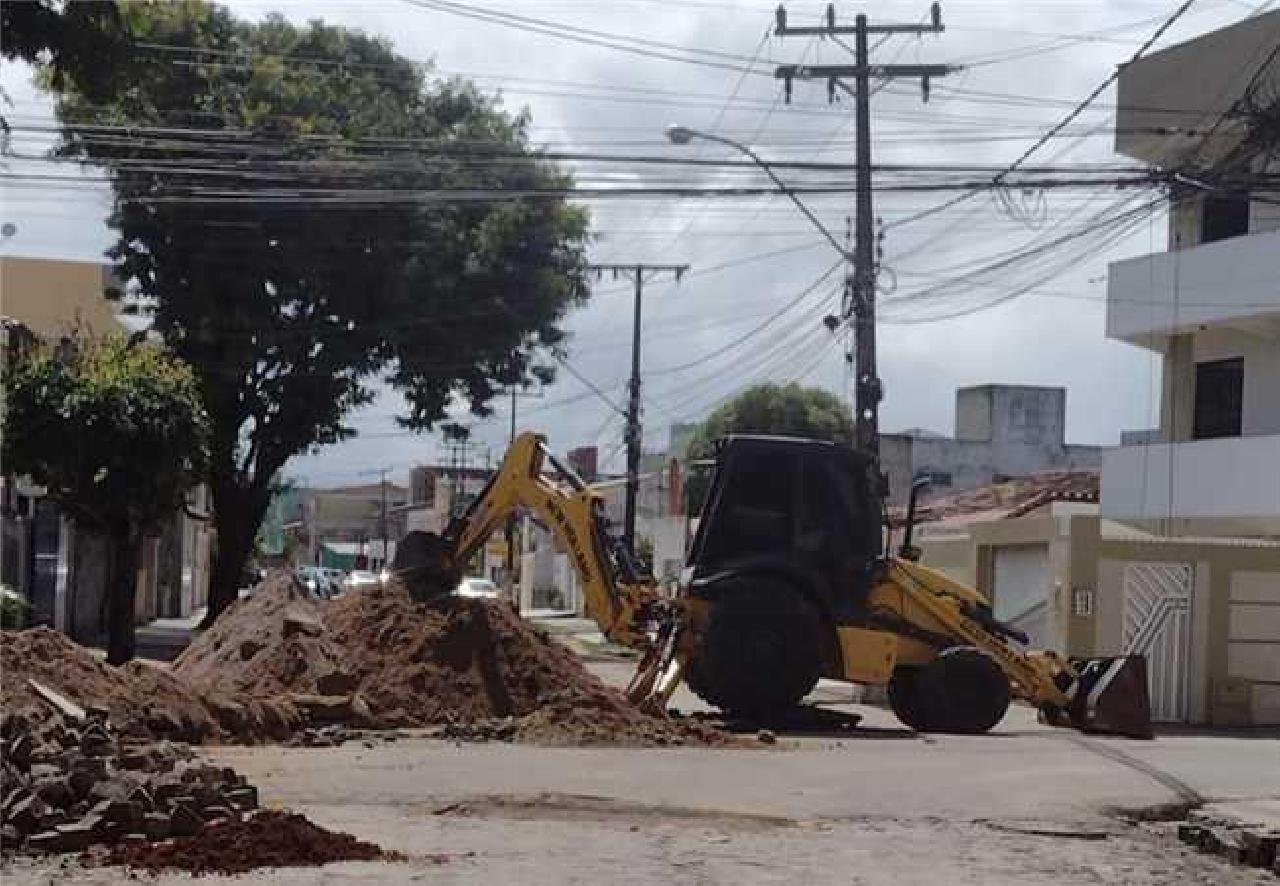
{"points": [[452, 661], [141, 700], [270, 643], [235, 846]]}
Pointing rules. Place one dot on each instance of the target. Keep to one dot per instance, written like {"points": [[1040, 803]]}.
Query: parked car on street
{"points": [[361, 580], [480, 588], [317, 581]]}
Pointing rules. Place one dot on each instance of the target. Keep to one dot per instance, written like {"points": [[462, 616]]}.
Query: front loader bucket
{"points": [[1111, 696]]}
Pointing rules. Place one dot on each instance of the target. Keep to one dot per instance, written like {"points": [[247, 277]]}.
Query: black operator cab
{"points": [[801, 509]]}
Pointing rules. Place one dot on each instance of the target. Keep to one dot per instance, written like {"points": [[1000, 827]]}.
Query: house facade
{"points": [[1204, 612], [1208, 306], [60, 567]]}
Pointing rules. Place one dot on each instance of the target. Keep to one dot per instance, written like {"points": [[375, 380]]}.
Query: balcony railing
{"points": [[1226, 479], [1165, 293]]}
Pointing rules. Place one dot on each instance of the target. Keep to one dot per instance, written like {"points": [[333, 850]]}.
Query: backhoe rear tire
{"points": [[961, 691], [760, 654], [906, 699]]}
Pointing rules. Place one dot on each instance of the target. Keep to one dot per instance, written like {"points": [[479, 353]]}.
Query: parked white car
{"points": [[480, 588], [361, 580]]}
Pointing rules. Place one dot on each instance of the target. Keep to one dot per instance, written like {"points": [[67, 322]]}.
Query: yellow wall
{"points": [[53, 297]]}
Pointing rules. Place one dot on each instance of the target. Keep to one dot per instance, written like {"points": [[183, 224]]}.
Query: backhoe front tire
{"points": [[962, 691], [760, 654]]}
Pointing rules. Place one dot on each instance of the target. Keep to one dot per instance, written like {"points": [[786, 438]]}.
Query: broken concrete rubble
{"points": [[1235, 836], [57, 799]]}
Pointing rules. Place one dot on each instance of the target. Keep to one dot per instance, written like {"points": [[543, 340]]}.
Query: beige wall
{"points": [[1234, 654], [53, 298], [1234, 669]]}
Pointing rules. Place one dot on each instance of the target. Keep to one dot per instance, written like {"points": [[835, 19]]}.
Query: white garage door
{"points": [[1021, 591]]}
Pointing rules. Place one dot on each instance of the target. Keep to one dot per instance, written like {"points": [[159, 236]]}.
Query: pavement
{"points": [[164, 638], [847, 795], [875, 804]]}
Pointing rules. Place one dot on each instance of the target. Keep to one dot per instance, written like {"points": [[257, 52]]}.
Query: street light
{"points": [[682, 135]]}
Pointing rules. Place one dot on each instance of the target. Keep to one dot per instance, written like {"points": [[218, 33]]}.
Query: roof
{"points": [[1005, 501]]}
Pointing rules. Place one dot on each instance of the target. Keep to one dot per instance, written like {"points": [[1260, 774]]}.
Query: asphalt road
{"points": [[876, 804]]}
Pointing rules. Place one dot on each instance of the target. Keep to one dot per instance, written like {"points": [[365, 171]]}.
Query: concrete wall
{"points": [[1233, 481], [1160, 294], [1253, 640], [1000, 431], [1188, 87], [981, 555], [54, 297], [1232, 678]]}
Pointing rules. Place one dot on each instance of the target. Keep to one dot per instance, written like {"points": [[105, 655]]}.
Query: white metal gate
{"points": [[1157, 624]]}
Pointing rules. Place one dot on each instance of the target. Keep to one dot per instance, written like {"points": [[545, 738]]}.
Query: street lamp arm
{"points": [[682, 135]]}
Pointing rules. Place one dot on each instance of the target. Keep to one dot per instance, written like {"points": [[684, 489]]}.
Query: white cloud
{"points": [[1044, 339]]}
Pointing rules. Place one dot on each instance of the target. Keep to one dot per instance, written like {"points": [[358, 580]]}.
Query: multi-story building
{"points": [[1207, 309], [343, 527], [1208, 306], [59, 567]]}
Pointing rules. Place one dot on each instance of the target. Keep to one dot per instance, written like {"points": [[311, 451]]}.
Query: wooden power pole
{"points": [[862, 282], [637, 273]]}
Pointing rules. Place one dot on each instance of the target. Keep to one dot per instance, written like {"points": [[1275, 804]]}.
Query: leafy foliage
{"points": [[276, 233], [786, 410], [116, 433], [75, 43]]}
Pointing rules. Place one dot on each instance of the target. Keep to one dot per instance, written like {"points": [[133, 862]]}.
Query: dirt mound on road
{"points": [[270, 643], [268, 839], [450, 661], [458, 660], [142, 700]]}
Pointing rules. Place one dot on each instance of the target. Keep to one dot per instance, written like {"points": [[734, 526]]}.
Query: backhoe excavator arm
{"points": [[616, 598]]}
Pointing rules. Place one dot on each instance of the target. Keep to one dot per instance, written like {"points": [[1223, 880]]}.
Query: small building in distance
{"points": [[1001, 432], [326, 522]]}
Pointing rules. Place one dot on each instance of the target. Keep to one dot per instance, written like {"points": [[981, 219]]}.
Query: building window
{"points": [[1223, 217], [1219, 399]]}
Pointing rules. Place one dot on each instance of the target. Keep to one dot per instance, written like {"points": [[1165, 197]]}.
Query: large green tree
{"points": [[309, 216], [75, 43], [117, 435], [790, 410]]}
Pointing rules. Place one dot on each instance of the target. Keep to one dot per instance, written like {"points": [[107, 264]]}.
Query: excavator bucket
{"points": [[1111, 696], [424, 562]]}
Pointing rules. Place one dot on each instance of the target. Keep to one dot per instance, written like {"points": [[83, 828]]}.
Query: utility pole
{"points": [[509, 531], [637, 273], [383, 527], [861, 285], [382, 522]]}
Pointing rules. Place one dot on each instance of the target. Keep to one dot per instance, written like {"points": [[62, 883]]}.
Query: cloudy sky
{"points": [[1027, 62]]}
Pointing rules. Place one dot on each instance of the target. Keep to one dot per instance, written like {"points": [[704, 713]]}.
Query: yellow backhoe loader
{"points": [[790, 579]]}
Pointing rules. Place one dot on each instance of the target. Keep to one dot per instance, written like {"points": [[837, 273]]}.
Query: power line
{"points": [[1057, 128]]}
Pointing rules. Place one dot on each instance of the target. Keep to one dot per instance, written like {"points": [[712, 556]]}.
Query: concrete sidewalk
{"points": [[165, 638]]}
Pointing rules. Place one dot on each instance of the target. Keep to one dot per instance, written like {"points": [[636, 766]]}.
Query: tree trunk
{"points": [[122, 592], [237, 514]]}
